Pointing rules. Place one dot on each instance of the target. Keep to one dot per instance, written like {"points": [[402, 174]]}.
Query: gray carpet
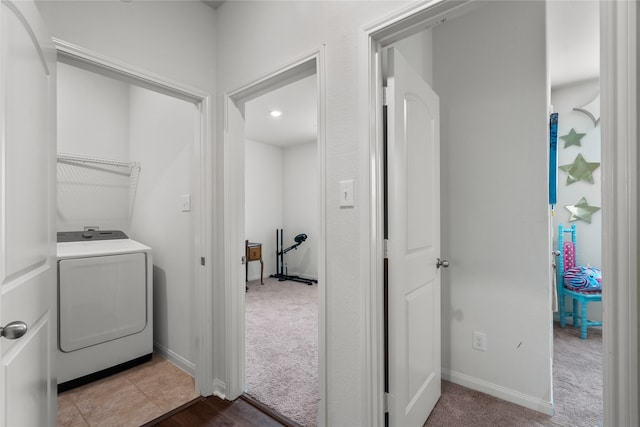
{"points": [[282, 366], [577, 387], [281, 337]]}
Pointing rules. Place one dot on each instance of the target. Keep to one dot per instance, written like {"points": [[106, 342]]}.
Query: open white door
{"points": [[27, 217], [413, 198]]}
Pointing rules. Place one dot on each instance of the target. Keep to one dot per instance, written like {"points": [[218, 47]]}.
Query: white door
{"points": [[27, 222], [413, 197]]}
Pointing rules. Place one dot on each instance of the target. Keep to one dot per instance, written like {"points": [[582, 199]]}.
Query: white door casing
{"points": [[414, 244], [27, 216]]}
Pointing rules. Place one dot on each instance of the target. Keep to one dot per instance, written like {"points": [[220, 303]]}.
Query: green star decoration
{"points": [[579, 170], [581, 211], [572, 138]]}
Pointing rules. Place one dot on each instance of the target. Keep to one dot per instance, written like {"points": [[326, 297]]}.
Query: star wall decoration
{"points": [[572, 138], [581, 211], [579, 170]]}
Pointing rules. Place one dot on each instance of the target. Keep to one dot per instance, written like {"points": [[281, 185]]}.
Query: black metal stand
{"points": [[282, 275]]}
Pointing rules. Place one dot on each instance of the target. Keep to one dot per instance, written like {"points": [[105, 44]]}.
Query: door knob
{"points": [[13, 330], [442, 263]]}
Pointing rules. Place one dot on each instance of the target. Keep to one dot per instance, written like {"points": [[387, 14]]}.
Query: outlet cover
{"points": [[479, 341]]}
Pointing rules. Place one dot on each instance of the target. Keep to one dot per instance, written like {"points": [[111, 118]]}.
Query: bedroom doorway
{"points": [[285, 191], [281, 231]]}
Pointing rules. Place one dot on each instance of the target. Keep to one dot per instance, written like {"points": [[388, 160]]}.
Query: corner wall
{"points": [[263, 202], [162, 139]]}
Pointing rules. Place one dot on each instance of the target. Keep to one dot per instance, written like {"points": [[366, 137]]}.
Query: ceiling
{"points": [[298, 122], [573, 40]]}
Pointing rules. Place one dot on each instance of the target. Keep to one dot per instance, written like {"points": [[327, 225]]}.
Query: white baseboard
{"points": [[498, 391], [219, 389], [176, 359]]}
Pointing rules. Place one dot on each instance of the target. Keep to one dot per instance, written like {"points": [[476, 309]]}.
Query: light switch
{"points": [[346, 193], [185, 203]]}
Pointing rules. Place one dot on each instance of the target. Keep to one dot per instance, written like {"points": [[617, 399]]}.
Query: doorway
{"points": [[108, 111], [574, 78], [304, 256], [455, 49], [281, 218]]}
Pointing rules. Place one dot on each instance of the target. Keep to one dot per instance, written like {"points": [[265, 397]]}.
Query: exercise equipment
{"points": [[282, 275]]}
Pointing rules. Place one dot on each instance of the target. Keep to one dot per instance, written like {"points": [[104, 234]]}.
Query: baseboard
{"points": [[498, 391], [176, 359], [220, 389]]}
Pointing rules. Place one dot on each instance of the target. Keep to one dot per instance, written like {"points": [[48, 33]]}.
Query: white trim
{"points": [[619, 109], [233, 318], [498, 391], [203, 302], [175, 358]]}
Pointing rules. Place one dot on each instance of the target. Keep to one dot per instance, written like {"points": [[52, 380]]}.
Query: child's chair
{"points": [[576, 282]]}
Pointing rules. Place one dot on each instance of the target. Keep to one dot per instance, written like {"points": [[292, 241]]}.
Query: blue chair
{"points": [[566, 260]]}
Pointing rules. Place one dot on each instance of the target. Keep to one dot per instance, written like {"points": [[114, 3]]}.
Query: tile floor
{"points": [[129, 398]]}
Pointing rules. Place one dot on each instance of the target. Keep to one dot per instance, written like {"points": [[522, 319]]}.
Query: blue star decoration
{"points": [[581, 211], [579, 170], [572, 138]]}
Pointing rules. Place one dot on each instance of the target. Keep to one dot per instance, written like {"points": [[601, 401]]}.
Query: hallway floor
{"points": [[129, 398]]}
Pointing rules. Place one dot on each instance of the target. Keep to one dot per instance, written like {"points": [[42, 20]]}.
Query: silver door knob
{"points": [[442, 263], [13, 330]]}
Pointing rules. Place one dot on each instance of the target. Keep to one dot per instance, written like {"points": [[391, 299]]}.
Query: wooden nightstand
{"points": [[253, 252]]}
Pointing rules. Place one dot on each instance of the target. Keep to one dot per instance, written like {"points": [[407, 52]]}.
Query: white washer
{"points": [[105, 305]]}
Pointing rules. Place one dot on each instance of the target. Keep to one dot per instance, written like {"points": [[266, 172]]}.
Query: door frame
{"points": [[234, 250], [77, 56], [619, 128], [619, 104]]}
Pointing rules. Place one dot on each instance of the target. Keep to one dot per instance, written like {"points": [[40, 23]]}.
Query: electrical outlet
{"points": [[479, 341]]}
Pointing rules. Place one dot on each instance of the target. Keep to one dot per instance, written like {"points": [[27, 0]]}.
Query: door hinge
{"points": [[385, 402], [386, 248], [384, 96], [243, 260], [201, 260]]}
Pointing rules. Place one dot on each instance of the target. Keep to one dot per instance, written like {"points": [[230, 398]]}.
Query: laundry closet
{"points": [[125, 170]]}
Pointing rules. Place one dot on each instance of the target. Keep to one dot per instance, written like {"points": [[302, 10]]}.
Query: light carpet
{"points": [[577, 388], [281, 336]]}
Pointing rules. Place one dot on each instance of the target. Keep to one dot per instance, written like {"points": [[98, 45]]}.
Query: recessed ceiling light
{"points": [[275, 113]]}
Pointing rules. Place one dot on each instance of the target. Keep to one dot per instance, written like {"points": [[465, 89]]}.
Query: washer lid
{"points": [[99, 247]]}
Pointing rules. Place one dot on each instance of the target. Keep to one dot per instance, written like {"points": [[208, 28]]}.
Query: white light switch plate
{"points": [[346, 193]]}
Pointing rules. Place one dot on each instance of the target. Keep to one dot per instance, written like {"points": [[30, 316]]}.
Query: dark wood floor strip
{"points": [[213, 411], [269, 411], [173, 412]]}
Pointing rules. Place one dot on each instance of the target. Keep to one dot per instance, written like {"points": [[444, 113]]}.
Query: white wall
{"points": [[281, 191], [263, 202], [490, 74], [260, 37], [300, 200], [89, 196], [162, 136], [564, 99]]}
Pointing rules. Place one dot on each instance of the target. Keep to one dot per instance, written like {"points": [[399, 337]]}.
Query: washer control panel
{"points": [[88, 235]]}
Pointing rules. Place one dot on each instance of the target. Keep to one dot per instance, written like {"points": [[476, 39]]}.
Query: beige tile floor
{"points": [[129, 398]]}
